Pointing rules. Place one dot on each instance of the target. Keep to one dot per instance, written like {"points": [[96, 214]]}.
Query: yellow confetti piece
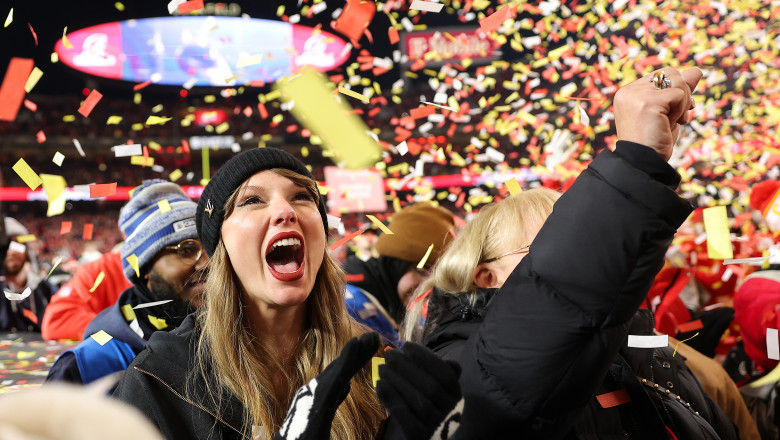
{"points": [[204, 158], [54, 187], [353, 94], [318, 110], [680, 342], [422, 262], [54, 58], [32, 80], [65, 41], [26, 238], [221, 128], [379, 224], [513, 186], [164, 206], [56, 263], [133, 260], [113, 120], [375, 363], [98, 280], [25, 354], [716, 224], [27, 174], [157, 120], [175, 175], [232, 78], [129, 313], [119, 6], [158, 323], [101, 337], [10, 18], [140, 160]]}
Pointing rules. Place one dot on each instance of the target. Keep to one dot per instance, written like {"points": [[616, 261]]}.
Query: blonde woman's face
{"points": [[275, 240]]}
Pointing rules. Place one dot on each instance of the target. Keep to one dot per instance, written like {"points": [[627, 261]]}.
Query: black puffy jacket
{"points": [[556, 325]]}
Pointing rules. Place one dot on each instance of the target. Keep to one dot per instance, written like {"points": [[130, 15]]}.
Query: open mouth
{"points": [[284, 256]]}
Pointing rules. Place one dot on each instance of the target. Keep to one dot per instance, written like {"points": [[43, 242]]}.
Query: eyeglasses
{"points": [[520, 250], [189, 250]]}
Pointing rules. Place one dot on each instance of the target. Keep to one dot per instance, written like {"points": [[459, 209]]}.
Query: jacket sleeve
{"points": [[557, 323], [73, 306]]}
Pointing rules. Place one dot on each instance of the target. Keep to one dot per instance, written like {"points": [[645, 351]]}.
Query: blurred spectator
{"points": [[167, 279], [79, 300], [380, 288], [20, 273]]}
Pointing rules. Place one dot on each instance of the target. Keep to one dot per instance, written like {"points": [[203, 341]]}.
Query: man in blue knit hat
{"points": [[165, 261]]}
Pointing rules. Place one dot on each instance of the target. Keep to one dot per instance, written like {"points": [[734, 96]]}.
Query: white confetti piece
{"points": [[772, 347], [151, 304], [426, 6], [653, 341], [21, 296], [127, 150]]}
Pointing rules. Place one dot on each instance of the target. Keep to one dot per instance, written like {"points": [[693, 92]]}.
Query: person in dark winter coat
{"points": [[20, 272], [168, 265], [420, 234], [272, 320], [557, 322]]}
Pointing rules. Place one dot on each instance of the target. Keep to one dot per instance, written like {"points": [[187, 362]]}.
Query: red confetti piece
{"points": [[35, 36], [338, 244], [354, 19], [190, 6], [90, 103], [263, 112], [30, 315], [355, 278], [88, 229], [690, 326], [615, 398], [185, 146], [392, 34], [31, 105], [40, 136], [12, 90], [493, 21], [102, 190], [140, 86], [422, 112], [66, 227]]}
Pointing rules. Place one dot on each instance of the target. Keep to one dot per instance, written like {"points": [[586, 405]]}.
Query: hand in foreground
{"points": [[315, 404], [652, 117], [420, 391]]}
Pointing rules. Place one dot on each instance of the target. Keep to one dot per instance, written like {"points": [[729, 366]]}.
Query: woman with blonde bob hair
{"points": [[273, 318], [478, 261]]}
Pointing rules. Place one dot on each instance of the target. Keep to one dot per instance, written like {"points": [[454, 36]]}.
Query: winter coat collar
{"points": [[170, 358], [452, 319]]}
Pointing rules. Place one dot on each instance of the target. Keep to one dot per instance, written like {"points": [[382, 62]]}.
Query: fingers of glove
{"points": [[424, 370], [434, 402], [408, 415]]}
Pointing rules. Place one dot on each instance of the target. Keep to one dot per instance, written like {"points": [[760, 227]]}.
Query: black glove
{"points": [[315, 404], [420, 391]]}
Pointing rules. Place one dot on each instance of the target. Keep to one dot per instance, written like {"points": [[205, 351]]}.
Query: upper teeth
{"points": [[287, 242]]}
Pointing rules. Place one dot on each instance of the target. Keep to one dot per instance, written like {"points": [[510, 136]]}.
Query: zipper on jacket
{"points": [[195, 404]]}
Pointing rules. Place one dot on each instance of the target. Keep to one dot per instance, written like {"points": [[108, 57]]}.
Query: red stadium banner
{"points": [[449, 45], [408, 183]]}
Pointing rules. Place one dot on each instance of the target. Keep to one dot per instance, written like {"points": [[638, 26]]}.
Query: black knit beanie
{"points": [[211, 207]]}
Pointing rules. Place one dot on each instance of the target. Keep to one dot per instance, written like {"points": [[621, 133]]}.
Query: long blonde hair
{"points": [[486, 236], [237, 362]]}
